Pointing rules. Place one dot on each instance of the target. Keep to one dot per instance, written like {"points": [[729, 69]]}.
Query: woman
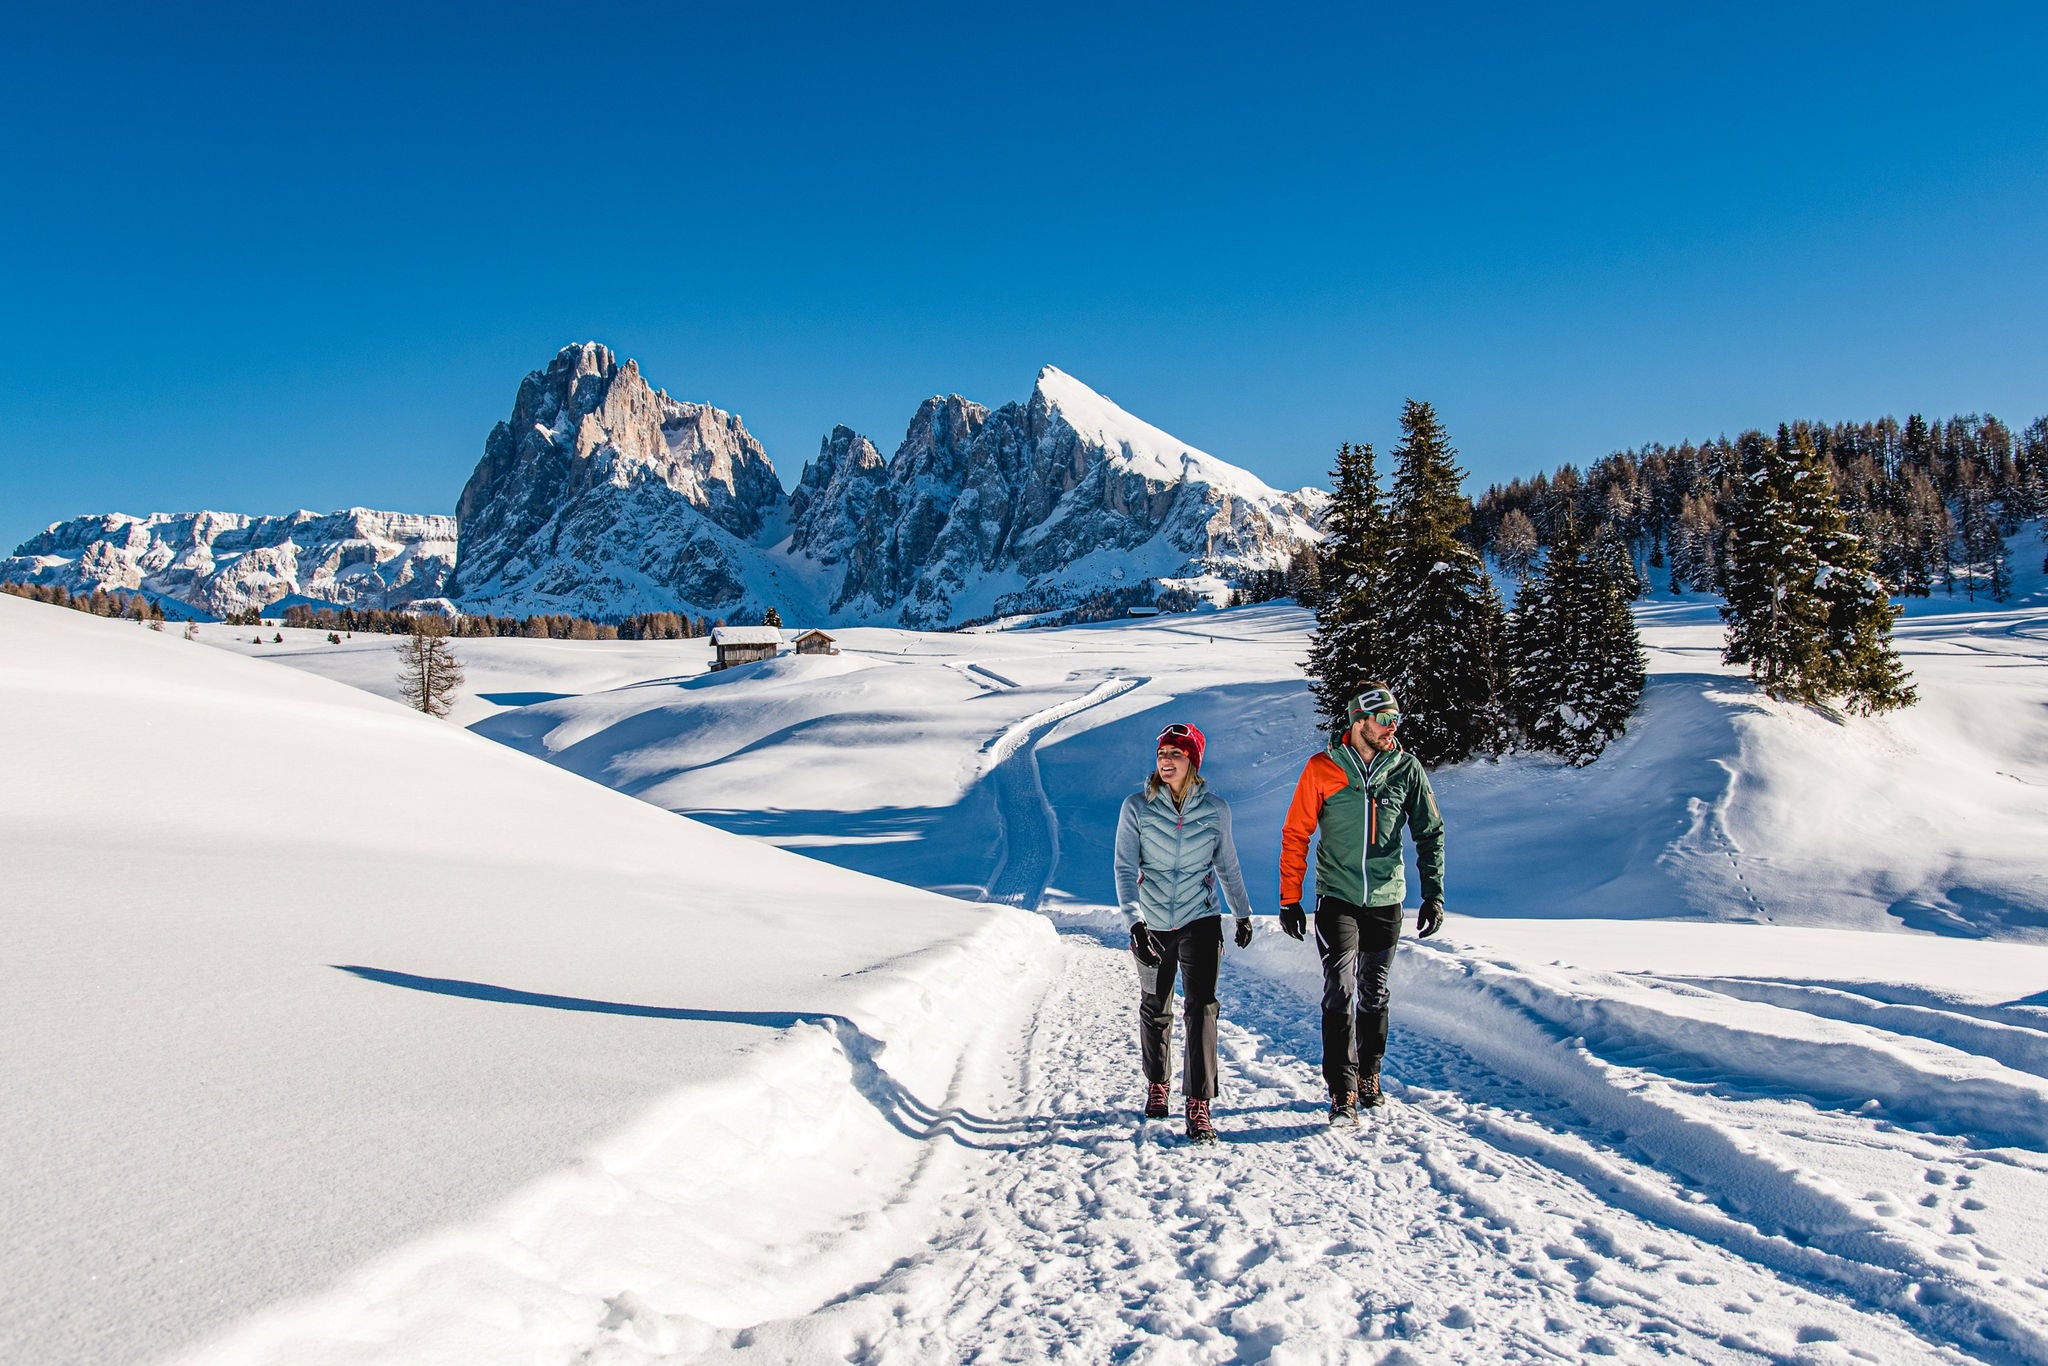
{"points": [[1173, 852]]}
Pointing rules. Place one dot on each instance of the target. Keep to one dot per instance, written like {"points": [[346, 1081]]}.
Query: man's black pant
{"points": [[1195, 951], [1356, 944]]}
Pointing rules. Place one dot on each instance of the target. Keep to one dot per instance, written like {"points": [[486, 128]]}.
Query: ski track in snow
{"points": [[1027, 842], [1455, 1225]]}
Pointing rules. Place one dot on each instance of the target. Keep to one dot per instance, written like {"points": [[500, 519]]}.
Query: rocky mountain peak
{"points": [[593, 454]]}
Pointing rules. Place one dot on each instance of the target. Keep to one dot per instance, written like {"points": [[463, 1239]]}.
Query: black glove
{"points": [[1429, 919], [1144, 947], [1293, 920], [1244, 934]]}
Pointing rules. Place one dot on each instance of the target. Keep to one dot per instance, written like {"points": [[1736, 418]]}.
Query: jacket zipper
{"points": [[1370, 829]]}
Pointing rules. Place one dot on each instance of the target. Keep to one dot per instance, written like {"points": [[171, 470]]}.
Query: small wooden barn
{"points": [[815, 642], [744, 644]]}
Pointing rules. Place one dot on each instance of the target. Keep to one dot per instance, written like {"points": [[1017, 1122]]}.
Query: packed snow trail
{"points": [[1422, 1236]]}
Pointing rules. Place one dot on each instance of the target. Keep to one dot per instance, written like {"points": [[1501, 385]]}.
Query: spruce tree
{"points": [[1443, 616], [1776, 619], [1805, 608], [1611, 684], [1347, 647], [1576, 661]]}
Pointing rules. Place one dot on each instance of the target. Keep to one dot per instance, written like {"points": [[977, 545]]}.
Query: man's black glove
{"points": [[1244, 934], [1143, 946], [1293, 920], [1429, 919]]}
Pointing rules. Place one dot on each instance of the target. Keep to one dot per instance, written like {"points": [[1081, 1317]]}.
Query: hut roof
{"points": [[746, 635]]}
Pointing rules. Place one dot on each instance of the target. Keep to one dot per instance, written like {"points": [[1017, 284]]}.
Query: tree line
{"points": [[99, 602], [1403, 596], [1932, 501], [540, 626]]}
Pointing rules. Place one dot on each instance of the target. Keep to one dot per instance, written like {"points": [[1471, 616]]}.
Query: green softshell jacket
{"points": [[1357, 808]]}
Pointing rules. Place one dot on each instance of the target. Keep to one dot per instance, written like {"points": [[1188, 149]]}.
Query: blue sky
{"points": [[259, 259]]}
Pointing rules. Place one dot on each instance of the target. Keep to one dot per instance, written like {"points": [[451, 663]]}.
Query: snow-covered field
{"points": [[340, 1035]]}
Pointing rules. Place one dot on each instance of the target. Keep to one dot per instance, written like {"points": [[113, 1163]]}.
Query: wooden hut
{"points": [[744, 644], [815, 642]]}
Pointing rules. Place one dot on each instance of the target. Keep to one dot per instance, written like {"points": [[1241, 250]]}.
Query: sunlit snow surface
{"points": [[1735, 1048]]}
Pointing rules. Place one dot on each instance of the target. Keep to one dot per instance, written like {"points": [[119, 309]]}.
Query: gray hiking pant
{"points": [[1356, 944], [1195, 952]]}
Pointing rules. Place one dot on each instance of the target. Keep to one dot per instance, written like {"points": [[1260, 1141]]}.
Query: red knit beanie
{"points": [[1187, 739]]}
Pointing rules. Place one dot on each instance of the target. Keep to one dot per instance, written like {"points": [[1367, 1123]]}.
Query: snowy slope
{"points": [[1663, 1088], [1719, 804], [300, 986]]}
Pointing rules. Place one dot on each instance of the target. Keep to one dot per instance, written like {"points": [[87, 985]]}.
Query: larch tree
{"points": [[428, 672], [1514, 545]]}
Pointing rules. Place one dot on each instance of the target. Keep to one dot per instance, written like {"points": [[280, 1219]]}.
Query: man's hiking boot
{"points": [[1344, 1111], [1155, 1101], [1200, 1130], [1369, 1094]]}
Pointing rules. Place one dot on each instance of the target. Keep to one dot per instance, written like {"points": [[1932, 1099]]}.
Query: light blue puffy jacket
{"points": [[1170, 862]]}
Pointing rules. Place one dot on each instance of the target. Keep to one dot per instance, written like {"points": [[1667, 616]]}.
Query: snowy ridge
{"points": [[1139, 447], [602, 496], [217, 563]]}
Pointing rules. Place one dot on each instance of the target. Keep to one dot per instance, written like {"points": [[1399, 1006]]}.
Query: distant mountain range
{"points": [[602, 496]]}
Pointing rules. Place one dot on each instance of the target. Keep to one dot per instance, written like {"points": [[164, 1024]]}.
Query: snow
{"points": [[1144, 449], [746, 635], [298, 982], [1734, 1048]]}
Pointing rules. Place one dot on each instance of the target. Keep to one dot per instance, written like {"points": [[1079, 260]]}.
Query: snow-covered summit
{"points": [[1032, 506], [221, 562], [1137, 446]]}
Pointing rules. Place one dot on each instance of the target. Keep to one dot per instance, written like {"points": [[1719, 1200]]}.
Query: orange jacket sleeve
{"points": [[1319, 778]]}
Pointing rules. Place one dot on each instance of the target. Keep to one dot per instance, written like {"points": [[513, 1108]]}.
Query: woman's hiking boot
{"points": [[1155, 1100], [1344, 1110], [1200, 1130], [1369, 1093]]}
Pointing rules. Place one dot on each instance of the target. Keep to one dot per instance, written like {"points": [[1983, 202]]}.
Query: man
{"points": [[1356, 796]]}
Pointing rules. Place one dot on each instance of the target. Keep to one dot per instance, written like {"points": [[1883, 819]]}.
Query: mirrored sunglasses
{"points": [[1389, 719]]}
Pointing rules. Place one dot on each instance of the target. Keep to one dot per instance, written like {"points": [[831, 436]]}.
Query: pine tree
{"points": [[1444, 618], [1347, 647], [771, 617], [428, 672]]}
